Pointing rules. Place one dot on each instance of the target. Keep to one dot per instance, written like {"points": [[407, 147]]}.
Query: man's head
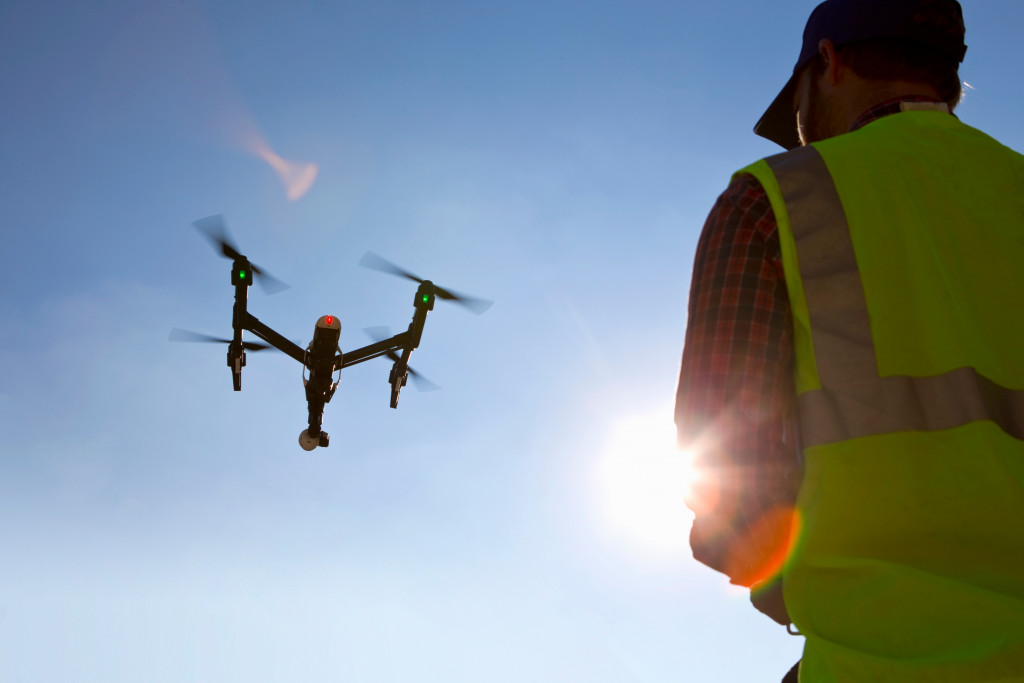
{"points": [[855, 50]]}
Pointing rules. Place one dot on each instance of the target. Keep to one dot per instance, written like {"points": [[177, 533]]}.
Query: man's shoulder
{"points": [[744, 205], [744, 188]]}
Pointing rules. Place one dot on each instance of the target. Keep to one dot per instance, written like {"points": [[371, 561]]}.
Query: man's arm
{"points": [[736, 390]]}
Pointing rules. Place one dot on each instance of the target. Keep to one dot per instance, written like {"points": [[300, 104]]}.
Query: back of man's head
{"points": [[909, 60], [916, 41]]}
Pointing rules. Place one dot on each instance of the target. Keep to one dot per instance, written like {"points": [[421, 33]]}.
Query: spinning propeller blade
{"points": [[478, 306], [381, 333], [180, 335], [214, 229]]}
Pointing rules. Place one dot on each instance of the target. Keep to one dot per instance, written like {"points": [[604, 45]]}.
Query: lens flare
{"points": [[296, 176], [176, 45], [761, 554]]}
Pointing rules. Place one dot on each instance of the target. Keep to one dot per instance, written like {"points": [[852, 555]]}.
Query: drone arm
{"points": [[406, 341], [400, 340], [253, 324], [423, 303], [419, 319]]}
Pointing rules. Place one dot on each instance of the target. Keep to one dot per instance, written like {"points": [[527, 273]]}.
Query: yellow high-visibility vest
{"points": [[903, 250]]}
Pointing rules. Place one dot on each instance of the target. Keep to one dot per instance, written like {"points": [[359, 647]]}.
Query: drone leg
{"points": [[399, 376], [236, 361]]}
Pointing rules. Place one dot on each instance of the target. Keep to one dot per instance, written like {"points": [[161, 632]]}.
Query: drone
{"points": [[322, 359]]}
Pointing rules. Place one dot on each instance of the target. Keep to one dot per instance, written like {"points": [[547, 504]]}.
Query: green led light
{"points": [[426, 298], [241, 274]]}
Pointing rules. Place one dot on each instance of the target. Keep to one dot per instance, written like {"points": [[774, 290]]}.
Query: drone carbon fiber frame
{"points": [[323, 357], [320, 358]]}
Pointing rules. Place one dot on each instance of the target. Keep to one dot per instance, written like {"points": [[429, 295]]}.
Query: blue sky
{"points": [[519, 525]]}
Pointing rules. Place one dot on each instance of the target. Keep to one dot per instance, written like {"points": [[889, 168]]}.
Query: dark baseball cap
{"points": [[935, 23]]}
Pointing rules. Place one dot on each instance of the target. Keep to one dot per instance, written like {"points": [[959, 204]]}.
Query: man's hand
{"points": [[767, 598]]}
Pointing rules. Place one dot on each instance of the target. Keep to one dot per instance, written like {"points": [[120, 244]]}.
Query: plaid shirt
{"points": [[736, 392]]}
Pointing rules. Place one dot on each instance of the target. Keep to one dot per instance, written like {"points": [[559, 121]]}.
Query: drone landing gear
{"points": [[309, 442], [398, 378], [236, 361]]}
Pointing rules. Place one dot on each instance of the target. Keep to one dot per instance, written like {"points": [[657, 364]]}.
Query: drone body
{"points": [[323, 358]]}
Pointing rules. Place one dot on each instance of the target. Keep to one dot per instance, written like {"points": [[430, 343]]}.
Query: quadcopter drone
{"points": [[322, 358]]}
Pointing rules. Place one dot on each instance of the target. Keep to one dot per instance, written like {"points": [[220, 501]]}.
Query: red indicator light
{"points": [[330, 320]]}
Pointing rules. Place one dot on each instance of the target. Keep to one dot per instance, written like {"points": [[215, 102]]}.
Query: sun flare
{"points": [[641, 481]]}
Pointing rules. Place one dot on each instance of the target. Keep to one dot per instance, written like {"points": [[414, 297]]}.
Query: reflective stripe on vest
{"points": [[866, 404]]}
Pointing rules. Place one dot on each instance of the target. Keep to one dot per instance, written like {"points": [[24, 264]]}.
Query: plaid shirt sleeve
{"points": [[736, 388]]}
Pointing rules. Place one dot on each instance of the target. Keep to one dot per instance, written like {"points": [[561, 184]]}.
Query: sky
{"points": [[525, 522]]}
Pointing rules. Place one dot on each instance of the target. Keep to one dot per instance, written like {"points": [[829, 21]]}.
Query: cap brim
{"points": [[778, 123]]}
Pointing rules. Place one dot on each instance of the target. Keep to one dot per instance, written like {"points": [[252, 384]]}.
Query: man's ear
{"points": [[833, 66]]}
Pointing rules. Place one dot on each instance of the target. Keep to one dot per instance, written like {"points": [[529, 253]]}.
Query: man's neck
{"points": [[869, 95], [895, 105]]}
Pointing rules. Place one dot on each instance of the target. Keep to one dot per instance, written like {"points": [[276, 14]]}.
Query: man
{"points": [[852, 382]]}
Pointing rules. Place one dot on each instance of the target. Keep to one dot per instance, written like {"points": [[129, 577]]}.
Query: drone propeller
{"points": [[381, 333], [180, 335], [478, 306], [213, 229]]}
